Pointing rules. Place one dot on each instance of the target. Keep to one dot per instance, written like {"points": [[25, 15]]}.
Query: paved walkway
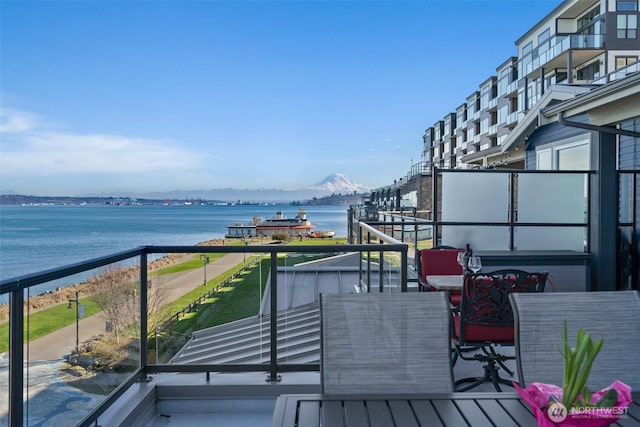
{"points": [[61, 342]]}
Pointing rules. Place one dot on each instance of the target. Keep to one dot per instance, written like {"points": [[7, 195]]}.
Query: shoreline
{"points": [[90, 286]]}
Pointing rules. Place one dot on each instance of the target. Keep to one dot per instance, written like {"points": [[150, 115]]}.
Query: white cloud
{"points": [[29, 148], [16, 121]]}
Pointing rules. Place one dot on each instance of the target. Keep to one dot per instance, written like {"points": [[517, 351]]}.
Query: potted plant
{"points": [[573, 404]]}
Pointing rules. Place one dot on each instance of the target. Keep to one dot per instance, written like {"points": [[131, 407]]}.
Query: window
{"points": [[544, 160], [485, 97], [626, 6], [565, 156], [627, 26], [623, 61], [484, 126], [544, 41], [587, 19], [503, 112], [575, 157], [561, 76], [590, 72], [503, 81]]}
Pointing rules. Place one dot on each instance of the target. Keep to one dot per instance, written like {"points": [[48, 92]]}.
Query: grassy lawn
{"points": [[45, 321], [194, 262], [236, 300], [205, 316]]}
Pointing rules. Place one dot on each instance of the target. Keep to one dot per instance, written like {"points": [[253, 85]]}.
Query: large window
{"points": [[503, 112], [544, 41], [587, 21], [590, 72], [624, 61], [503, 81], [627, 26], [485, 96], [572, 155], [626, 6]]}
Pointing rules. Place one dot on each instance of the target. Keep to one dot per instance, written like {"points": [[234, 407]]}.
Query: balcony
{"points": [[556, 56], [233, 372]]}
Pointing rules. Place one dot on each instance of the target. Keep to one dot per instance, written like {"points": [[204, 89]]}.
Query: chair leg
{"points": [[498, 358], [491, 375]]}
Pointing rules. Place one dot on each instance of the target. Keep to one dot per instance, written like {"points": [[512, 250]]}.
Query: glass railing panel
{"points": [[195, 295], [83, 340], [475, 197], [625, 258], [485, 238], [552, 198], [550, 238], [4, 363], [625, 197]]}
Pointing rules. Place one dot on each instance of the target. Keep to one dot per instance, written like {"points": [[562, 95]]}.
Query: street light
{"points": [[77, 301], [205, 258]]}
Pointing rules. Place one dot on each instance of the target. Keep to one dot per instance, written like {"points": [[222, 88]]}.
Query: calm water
{"points": [[36, 238]]}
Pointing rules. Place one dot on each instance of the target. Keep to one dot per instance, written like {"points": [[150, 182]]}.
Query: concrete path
{"points": [[57, 344]]}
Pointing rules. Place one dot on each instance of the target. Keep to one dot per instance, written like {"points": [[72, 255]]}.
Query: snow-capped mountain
{"points": [[338, 183], [333, 184]]}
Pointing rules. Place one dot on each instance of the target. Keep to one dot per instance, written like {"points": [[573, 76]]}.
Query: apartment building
{"points": [[579, 46]]}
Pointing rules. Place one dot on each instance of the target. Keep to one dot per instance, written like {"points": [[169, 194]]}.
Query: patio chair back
{"points": [[437, 261], [385, 343], [485, 312], [612, 316]]}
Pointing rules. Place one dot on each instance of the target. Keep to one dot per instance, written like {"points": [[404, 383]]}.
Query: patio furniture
{"points": [[370, 343], [446, 282], [612, 316], [439, 260], [485, 320], [439, 409]]}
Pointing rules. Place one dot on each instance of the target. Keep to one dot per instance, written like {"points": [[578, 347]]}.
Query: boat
{"points": [[280, 224]]}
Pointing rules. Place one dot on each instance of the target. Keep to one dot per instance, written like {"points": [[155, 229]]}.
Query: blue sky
{"points": [[117, 96]]}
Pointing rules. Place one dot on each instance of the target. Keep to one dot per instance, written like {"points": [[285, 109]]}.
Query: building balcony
{"points": [[583, 47]]}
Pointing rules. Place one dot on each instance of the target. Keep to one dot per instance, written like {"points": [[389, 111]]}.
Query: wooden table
{"points": [[448, 409], [448, 282]]}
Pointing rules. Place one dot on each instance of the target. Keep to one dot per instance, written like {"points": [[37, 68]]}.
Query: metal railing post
{"points": [[16, 357], [273, 363], [403, 270], [144, 310], [368, 264], [381, 271]]}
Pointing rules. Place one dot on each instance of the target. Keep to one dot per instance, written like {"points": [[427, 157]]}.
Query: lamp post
{"points": [[205, 259], [77, 301]]}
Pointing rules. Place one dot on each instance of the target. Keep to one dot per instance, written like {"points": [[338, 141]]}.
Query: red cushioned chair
{"points": [[439, 260], [485, 319]]}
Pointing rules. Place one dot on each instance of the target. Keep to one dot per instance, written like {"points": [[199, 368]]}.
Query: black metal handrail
{"points": [[15, 289]]}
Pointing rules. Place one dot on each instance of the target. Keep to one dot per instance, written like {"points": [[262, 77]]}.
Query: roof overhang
{"points": [[526, 126], [607, 105]]}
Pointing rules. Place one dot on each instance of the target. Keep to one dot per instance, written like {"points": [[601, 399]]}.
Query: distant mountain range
{"points": [[336, 184], [333, 184]]}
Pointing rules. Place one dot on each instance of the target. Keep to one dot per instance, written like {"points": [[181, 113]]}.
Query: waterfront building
{"points": [[569, 52], [569, 101]]}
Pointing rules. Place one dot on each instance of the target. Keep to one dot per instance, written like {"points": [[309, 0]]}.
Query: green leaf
{"points": [[608, 399]]}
